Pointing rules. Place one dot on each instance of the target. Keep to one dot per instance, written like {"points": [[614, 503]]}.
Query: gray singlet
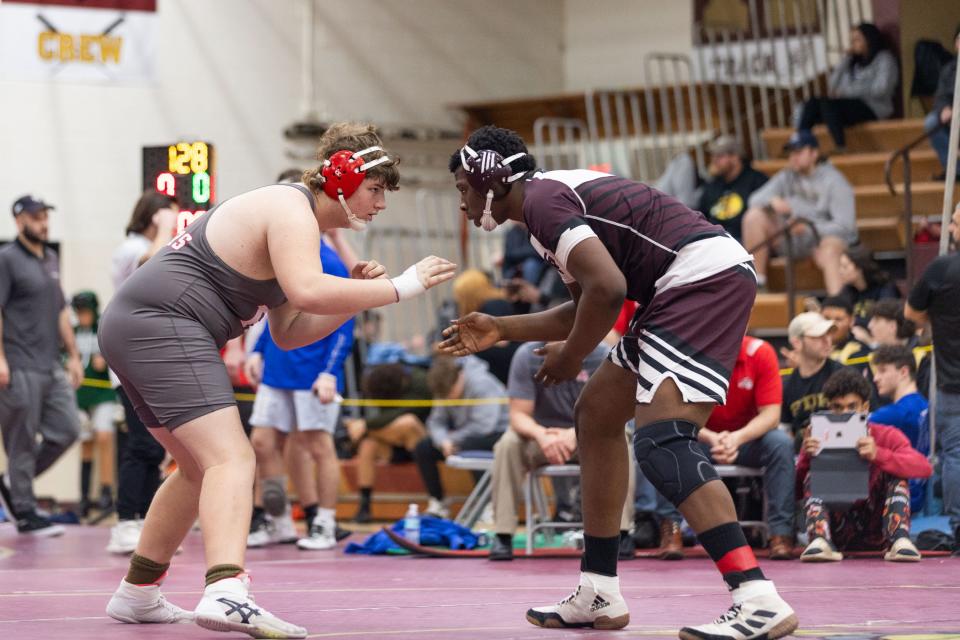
{"points": [[163, 330]]}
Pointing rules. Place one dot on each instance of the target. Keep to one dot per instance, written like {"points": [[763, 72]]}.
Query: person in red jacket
{"points": [[882, 521]]}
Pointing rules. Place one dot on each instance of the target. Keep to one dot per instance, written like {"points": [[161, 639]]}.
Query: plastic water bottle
{"points": [[411, 524]]}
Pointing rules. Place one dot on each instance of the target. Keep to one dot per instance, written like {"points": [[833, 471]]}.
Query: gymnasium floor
{"points": [[57, 588]]}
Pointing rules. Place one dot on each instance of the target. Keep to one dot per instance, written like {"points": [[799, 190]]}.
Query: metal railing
{"points": [[440, 230], [786, 232], [744, 77], [762, 65], [907, 216]]}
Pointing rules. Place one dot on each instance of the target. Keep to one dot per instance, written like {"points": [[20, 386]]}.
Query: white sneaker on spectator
{"points": [[902, 550], [758, 611], [124, 537], [322, 535], [820, 550], [437, 509], [596, 604], [227, 605], [139, 604], [283, 530]]}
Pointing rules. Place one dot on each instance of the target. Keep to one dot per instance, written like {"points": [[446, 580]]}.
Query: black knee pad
{"points": [[671, 458]]}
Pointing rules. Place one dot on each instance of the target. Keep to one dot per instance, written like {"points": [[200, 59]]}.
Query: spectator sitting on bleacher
{"points": [[864, 282], [811, 343], [806, 189], [938, 120], [744, 432], [895, 377], [888, 326], [882, 521], [861, 87], [394, 431], [724, 197], [541, 432], [846, 348], [474, 424]]}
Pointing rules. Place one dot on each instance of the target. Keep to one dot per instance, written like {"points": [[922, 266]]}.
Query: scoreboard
{"points": [[184, 170]]}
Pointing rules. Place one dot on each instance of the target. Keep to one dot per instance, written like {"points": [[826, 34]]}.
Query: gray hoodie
{"points": [[874, 83], [458, 423], [825, 198]]}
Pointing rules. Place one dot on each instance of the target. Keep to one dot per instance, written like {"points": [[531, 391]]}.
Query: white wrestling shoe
{"points": [[144, 604], [321, 535], [596, 604], [758, 611], [124, 537], [226, 605]]}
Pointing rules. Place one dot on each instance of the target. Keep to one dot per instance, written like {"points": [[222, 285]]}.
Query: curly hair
{"points": [[353, 136], [503, 141], [844, 382]]}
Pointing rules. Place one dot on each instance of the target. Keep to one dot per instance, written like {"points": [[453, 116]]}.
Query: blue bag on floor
{"points": [[434, 532]]}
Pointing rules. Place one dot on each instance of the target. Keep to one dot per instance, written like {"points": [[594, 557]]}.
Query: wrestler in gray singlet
{"points": [[163, 330]]}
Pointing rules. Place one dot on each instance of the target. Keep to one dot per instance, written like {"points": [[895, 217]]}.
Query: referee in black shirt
{"points": [[936, 299]]}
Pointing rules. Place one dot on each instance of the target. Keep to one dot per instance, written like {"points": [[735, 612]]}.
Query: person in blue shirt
{"points": [[299, 395], [895, 376]]}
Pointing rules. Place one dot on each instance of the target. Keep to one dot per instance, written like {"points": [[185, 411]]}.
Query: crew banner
{"points": [[87, 41]]}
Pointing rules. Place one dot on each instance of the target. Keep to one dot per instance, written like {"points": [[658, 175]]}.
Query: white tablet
{"points": [[838, 431]]}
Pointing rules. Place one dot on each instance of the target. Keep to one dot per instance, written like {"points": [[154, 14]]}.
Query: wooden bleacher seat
{"points": [[770, 311], [880, 135], [806, 274], [867, 168]]}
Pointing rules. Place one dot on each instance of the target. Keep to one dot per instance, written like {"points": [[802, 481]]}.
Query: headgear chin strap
{"points": [[343, 173], [485, 169]]}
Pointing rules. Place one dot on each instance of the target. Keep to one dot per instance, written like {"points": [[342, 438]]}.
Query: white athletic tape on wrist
{"points": [[408, 284]]}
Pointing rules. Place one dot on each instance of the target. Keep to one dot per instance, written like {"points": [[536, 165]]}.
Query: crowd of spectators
{"points": [[859, 349]]}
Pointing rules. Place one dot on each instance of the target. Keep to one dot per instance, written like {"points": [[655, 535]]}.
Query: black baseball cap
{"points": [[29, 204], [800, 139]]}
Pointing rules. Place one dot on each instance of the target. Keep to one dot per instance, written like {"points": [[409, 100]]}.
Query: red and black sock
{"points": [[728, 548], [600, 555]]}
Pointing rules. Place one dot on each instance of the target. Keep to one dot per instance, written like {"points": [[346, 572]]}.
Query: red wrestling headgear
{"points": [[343, 173]]}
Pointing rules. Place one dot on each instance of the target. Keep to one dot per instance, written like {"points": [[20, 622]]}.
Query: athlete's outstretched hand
{"points": [[472, 333], [368, 270], [417, 278], [432, 271]]}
